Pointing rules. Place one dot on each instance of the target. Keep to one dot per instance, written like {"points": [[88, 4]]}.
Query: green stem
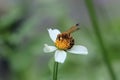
{"points": [[55, 70], [94, 20]]}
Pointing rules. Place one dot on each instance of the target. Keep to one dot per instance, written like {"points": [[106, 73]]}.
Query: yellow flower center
{"points": [[64, 41]]}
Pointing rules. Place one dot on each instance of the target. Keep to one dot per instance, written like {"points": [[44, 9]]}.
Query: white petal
{"points": [[60, 56], [48, 49], [78, 49], [53, 33]]}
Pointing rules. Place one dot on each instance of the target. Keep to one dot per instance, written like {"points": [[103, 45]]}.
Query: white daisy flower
{"points": [[63, 43]]}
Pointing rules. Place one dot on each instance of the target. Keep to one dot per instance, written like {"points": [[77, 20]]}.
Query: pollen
{"points": [[64, 41]]}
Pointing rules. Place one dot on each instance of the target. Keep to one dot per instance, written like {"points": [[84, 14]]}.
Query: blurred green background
{"points": [[23, 33]]}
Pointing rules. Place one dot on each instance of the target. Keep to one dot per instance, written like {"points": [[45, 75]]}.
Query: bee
{"points": [[64, 40]]}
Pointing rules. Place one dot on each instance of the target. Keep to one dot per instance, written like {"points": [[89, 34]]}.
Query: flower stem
{"points": [[55, 70], [94, 21]]}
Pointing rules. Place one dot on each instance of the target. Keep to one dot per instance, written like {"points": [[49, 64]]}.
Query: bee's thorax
{"points": [[64, 41]]}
